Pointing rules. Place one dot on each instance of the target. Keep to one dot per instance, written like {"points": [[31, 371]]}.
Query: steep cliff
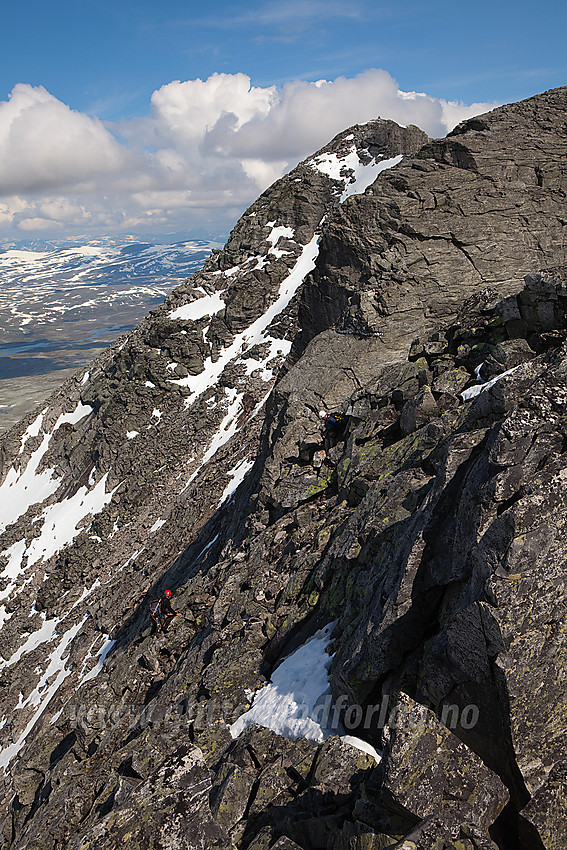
{"points": [[412, 575]]}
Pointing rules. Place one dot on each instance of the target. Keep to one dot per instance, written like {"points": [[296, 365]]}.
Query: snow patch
{"points": [[291, 703], [287, 705], [472, 392], [43, 694], [278, 348], [102, 653], [365, 175], [207, 547], [207, 306], [87, 592], [61, 521], [277, 233], [363, 746], [225, 431], [228, 272], [43, 635], [261, 404], [33, 429], [356, 175], [78, 413], [238, 473], [12, 570], [131, 559], [4, 616], [23, 488], [255, 333], [261, 262]]}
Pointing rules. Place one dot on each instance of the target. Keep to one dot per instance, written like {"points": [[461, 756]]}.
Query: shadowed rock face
{"points": [[430, 532]]}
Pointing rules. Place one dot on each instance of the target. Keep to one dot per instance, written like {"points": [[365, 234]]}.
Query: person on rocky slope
{"points": [[162, 613], [334, 425]]}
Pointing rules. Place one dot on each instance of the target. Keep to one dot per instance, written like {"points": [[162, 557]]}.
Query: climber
{"points": [[162, 613], [333, 428]]}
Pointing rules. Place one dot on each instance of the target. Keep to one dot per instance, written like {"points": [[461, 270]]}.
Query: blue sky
{"points": [[97, 136]]}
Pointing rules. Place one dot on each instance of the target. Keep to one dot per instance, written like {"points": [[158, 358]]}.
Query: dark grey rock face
{"points": [[430, 531], [484, 206]]}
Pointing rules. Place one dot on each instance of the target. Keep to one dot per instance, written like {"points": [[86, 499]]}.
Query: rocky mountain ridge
{"points": [[385, 276]]}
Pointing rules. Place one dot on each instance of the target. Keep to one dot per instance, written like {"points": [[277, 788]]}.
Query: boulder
{"points": [[427, 771]]}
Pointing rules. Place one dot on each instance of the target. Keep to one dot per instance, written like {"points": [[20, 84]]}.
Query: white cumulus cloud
{"points": [[303, 116], [187, 110], [205, 150], [44, 144]]}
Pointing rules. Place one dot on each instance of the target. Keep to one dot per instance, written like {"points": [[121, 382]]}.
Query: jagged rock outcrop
{"points": [[429, 534]]}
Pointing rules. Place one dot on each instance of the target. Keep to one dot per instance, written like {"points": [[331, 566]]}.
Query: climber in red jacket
{"points": [[162, 613]]}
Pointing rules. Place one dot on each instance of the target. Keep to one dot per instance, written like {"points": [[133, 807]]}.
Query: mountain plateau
{"points": [[61, 305]]}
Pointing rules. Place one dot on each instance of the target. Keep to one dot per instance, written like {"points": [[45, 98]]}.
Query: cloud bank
{"points": [[203, 153]]}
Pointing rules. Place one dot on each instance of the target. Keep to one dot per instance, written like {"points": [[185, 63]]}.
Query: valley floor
{"points": [[18, 396]]}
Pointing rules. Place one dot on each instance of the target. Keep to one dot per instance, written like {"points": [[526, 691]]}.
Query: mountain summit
{"points": [[371, 650]]}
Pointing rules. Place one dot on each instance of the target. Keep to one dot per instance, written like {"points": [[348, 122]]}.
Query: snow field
{"points": [[25, 487], [64, 267]]}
